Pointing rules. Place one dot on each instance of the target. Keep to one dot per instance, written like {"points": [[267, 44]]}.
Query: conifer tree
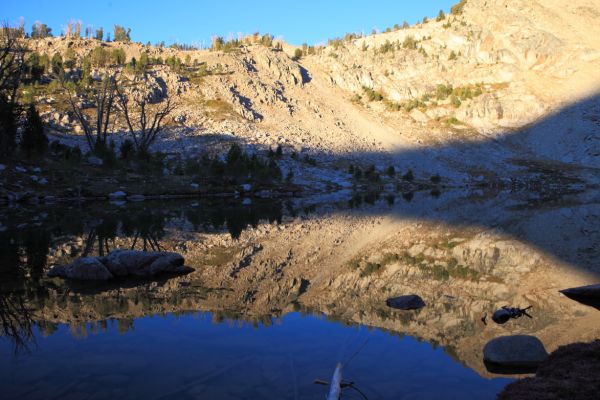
{"points": [[34, 140]]}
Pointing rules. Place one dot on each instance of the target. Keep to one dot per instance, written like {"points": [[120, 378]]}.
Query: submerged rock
{"points": [[121, 263], [408, 302], [515, 354]]}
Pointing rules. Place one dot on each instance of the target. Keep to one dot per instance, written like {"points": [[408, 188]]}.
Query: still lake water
{"points": [[70, 342]]}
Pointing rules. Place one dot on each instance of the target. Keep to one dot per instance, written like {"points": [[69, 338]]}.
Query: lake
{"points": [[283, 290]]}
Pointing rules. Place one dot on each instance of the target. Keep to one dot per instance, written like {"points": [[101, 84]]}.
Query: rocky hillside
{"points": [[465, 96]]}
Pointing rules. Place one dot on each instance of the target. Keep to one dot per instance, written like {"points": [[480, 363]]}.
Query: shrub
{"points": [[390, 171], [370, 269], [436, 179], [455, 101], [442, 91], [34, 139], [70, 58], [371, 174], [409, 177], [309, 160], [410, 43], [127, 149], [441, 16], [117, 56], [297, 54], [57, 64], [8, 126], [452, 56], [99, 56], [372, 95]]}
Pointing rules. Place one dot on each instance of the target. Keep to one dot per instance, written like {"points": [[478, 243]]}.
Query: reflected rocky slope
{"points": [[465, 256]]}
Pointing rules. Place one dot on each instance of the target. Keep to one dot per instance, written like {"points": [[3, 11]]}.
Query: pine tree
{"points": [[34, 140], [8, 126]]}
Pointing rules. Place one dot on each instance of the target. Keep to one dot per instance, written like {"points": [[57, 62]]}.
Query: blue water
{"points": [[193, 357]]}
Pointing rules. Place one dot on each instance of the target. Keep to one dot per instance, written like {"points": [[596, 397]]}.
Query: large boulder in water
{"points": [[121, 263], [516, 354], [85, 269], [408, 302]]}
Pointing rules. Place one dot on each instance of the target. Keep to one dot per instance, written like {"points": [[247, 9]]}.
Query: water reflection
{"points": [[270, 261]]}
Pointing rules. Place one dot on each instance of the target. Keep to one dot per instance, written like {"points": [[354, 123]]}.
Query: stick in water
{"points": [[335, 390]]}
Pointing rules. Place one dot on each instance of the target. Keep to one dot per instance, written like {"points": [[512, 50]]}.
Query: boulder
{"points": [[143, 263], [93, 160], [588, 295], [516, 354], [122, 263], [86, 269], [408, 302], [117, 195]]}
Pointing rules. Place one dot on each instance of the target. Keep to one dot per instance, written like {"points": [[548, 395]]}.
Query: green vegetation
{"points": [[33, 140], [441, 16], [370, 269], [238, 167], [455, 101], [220, 44], [410, 43], [372, 95], [121, 34], [298, 53], [453, 121], [40, 31]]}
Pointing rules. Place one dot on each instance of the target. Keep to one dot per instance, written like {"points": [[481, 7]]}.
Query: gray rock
{"points": [[514, 354], [117, 195], [588, 295], [408, 302], [86, 268], [92, 160], [121, 263], [143, 263], [587, 291]]}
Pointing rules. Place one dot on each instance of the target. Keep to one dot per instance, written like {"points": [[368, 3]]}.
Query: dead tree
{"points": [[103, 95], [144, 118]]}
